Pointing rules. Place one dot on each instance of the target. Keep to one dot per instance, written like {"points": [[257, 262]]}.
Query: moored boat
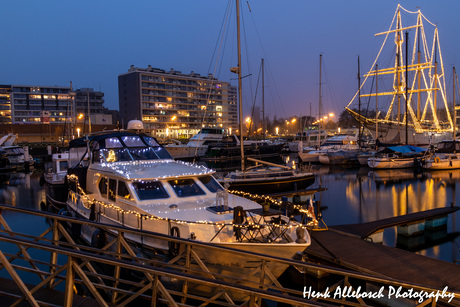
{"points": [[197, 145], [446, 156], [396, 157], [413, 87], [131, 180], [54, 180], [268, 180]]}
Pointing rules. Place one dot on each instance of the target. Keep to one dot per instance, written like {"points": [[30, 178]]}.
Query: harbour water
{"points": [[353, 195]]}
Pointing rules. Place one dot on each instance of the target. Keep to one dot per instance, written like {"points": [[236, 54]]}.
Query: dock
{"points": [[364, 230], [344, 246]]}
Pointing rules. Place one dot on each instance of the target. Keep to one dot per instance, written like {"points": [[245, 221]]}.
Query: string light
{"points": [[248, 225]]}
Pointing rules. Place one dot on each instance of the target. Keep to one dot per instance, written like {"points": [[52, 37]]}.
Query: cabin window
{"points": [[162, 153], [132, 141], [63, 165], [113, 143], [112, 189], [150, 141], [186, 187], [150, 190], [123, 190], [211, 184], [103, 187]]}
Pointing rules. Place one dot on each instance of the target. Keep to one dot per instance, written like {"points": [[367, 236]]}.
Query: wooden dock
{"points": [[366, 229], [344, 246]]}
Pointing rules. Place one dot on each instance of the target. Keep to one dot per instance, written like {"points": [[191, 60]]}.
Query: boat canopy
{"points": [[404, 149]]}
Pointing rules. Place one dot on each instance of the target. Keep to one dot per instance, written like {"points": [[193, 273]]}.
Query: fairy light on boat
{"points": [[248, 225]]}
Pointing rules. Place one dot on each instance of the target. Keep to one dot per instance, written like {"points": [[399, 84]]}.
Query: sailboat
{"points": [[408, 106], [266, 178]]}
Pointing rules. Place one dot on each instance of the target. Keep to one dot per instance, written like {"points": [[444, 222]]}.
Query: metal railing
{"points": [[116, 271]]}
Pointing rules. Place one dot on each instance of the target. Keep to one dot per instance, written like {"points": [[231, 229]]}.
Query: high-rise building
{"points": [[87, 98], [173, 104], [29, 104]]}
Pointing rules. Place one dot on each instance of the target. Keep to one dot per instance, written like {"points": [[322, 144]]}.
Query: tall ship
{"points": [[405, 101]]}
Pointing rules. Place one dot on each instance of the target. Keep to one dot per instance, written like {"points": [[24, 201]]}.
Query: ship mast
{"points": [[240, 93], [359, 105], [319, 102]]}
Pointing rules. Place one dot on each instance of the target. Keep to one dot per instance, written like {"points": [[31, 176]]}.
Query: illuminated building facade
{"points": [[30, 104], [21, 104], [173, 104]]}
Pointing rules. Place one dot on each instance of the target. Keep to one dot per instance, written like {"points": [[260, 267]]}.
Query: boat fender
{"points": [[98, 239], [42, 180], [92, 214], [174, 247], [43, 206], [300, 232], [437, 160], [238, 219]]}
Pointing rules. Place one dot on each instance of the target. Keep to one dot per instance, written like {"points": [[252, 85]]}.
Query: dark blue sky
{"points": [[91, 42]]}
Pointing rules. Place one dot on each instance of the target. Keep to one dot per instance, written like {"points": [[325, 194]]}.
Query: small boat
{"points": [[130, 180], [307, 139], [266, 180], [397, 157], [347, 141], [17, 156], [446, 156], [54, 180], [334, 157], [197, 145]]}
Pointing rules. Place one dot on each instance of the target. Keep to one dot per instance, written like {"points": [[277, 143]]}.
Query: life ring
{"points": [[174, 247], [437, 160]]}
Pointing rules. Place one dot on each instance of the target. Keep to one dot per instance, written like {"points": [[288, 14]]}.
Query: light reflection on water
{"points": [[355, 195], [360, 195]]}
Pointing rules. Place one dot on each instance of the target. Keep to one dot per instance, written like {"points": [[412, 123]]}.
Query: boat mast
{"points": [[419, 70], [319, 103], [263, 100], [398, 73], [359, 105], [454, 75], [240, 93], [376, 104], [407, 83]]}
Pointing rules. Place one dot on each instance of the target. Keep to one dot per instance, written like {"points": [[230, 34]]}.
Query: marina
{"points": [[181, 198], [354, 202]]}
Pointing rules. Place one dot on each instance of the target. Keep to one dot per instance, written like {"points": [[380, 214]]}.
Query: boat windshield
{"points": [[130, 148], [211, 184], [186, 187], [146, 190]]}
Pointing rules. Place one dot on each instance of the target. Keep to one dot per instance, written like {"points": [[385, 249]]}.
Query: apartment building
{"points": [[173, 104]]}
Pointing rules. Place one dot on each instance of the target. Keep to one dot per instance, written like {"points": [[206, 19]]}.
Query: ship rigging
{"points": [[416, 109]]}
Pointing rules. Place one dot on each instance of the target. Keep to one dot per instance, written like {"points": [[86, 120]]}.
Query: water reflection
{"points": [[21, 189], [363, 195], [354, 195]]}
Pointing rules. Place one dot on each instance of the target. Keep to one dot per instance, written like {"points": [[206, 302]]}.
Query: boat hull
{"points": [[224, 262], [395, 134], [444, 163], [390, 163], [272, 185]]}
